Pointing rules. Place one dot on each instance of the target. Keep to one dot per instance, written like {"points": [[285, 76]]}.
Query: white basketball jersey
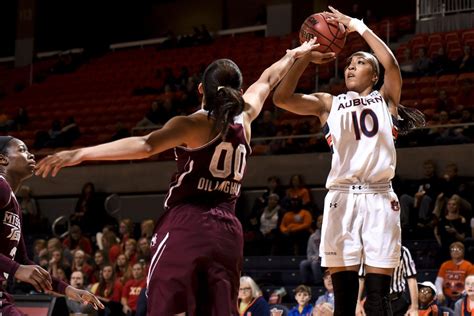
{"points": [[360, 132]]}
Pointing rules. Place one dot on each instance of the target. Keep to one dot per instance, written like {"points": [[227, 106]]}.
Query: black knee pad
{"points": [[346, 288], [377, 287]]}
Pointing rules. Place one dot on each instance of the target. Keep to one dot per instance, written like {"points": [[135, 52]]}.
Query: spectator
{"points": [[125, 231], [452, 183], [296, 226], [100, 260], [452, 227], [146, 228], [54, 135], [250, 299], [420, 196], [77, 281], [58, 262], [407, 64], [273, 187], [312, 262], [30, 210], [6, 124], [79, 264], [427, 299], [39, 248], [109, 290], [131, 290], [55, 244], [122, 268], [130, 251], [111, 246], [269, 224], [75, 240], [443, 102], [328, 296], [297, 189], [451, 275], [265, 126], [89, 212], [440, 63], [70, 132], [144, 251], [422, 62], [303, 298], [466, 63], [465, 305], [152, 117]]}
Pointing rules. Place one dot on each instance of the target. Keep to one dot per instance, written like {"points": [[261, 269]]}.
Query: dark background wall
{"points": [[89, 23]]}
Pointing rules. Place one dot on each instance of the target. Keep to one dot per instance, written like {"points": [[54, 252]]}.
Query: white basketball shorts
{"points": [[361, 223]]}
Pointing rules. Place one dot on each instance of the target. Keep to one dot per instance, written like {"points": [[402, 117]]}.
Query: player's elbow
{"points": [[279, 99]]}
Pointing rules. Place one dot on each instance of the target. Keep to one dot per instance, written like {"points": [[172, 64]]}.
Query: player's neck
{"points": [[13, 181]]}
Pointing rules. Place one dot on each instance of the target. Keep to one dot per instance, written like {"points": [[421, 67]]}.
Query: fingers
{"points": [[40, 283], [89, 298], [46, 277]]}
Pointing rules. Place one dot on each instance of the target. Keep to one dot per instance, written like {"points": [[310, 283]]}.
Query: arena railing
{"points": [[155, 41], [426, 9]]}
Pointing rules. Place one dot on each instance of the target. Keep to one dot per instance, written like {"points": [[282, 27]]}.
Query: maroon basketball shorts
{"points": [[196, 262]]}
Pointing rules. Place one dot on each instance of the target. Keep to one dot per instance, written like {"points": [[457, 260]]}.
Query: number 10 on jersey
{"points": [[360, 123]]}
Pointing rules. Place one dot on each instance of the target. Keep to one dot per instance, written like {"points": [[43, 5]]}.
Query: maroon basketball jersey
{"points": [[10, 231], [211, 174]]}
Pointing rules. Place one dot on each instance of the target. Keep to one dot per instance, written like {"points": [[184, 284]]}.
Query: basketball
{"points": [[330, 37]]}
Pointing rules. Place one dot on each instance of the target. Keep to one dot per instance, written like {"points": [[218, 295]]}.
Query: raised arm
{"points": [[392, 86], [175, 132], [257, 93], [285, 97]]}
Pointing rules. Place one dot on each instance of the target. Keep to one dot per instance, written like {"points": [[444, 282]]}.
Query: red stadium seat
{"points": [[446, 80]]}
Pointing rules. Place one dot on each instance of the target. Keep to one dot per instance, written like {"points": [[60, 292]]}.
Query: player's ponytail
{"points": [[409, 118], [222, 82]]}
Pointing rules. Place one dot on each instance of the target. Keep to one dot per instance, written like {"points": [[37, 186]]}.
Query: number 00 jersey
{"points": [[360, 132], [211, 174]]}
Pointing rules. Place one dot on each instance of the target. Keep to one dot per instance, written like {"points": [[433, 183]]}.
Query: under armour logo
{"points": [[395, 206], [333, 205], [153, 240], [356, 187]]}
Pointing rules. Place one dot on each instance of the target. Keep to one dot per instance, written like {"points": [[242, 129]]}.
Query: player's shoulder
{"points": [[5, 192]]}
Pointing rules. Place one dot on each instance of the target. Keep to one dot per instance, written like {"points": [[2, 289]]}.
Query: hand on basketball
{"points": [[337, 17], [304, 48], [53, 163], [36, 276], [84, 297], [322, 58]]}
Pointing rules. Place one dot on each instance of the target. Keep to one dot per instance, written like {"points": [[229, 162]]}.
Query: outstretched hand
{"points": [[308, 48], [335, 17], [84, 297], [53, 163], [304, 48]]}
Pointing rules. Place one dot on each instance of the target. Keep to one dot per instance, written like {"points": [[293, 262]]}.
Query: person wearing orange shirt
{"points": [[296, 226], [297, 189], [451, 275]]}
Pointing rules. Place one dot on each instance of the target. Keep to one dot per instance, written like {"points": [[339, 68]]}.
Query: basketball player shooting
{"points": [[16, 165], [361, 212]]}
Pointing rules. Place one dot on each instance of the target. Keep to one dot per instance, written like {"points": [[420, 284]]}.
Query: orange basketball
{"points": [[330, 37]]}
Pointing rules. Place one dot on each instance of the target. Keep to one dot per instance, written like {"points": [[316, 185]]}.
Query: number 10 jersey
{"points": [[361, 134], [211, 175]]}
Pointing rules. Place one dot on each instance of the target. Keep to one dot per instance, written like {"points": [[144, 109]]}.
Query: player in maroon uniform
{"points": [[197, 245], [16, 165]]}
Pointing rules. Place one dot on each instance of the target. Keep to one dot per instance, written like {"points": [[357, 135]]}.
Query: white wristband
{"points": [[358, 25]]}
